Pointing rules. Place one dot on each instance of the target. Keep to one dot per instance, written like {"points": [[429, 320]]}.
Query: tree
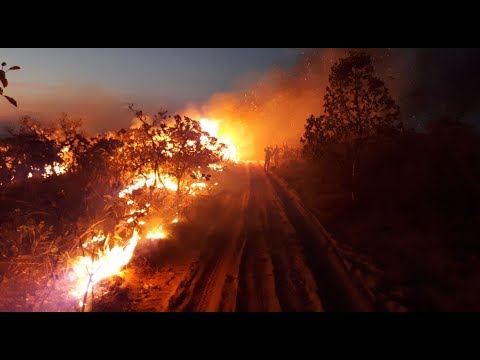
{"points": [[176, 147], [26, 151], [189, 151], [161, 161], [144, 147], [66, 133], [357, 108], [4, 81]]}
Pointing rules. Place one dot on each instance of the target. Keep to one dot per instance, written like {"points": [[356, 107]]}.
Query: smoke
{"points": [[273, 109], [444, 82], [426, 83]]}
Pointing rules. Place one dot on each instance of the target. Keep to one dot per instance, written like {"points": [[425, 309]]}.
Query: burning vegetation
{"points": [[143, 178], [401, 203]]}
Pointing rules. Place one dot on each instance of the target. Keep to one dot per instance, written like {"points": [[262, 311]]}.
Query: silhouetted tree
{"points": [[357, 107], [26, 151], [67, 135], [4, 81]]}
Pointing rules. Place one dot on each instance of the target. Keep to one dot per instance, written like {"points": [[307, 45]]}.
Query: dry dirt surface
{"points": [[249, 247]]}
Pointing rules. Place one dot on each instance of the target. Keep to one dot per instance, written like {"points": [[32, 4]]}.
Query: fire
{"points": [[96, 239], [196, 186], [209, 126], [110, 260], [106, 255], [157, 233], [216, 167], [89, 270], [54, 169], [162, 181], [104, 263], [212, 127], [57, 168]]}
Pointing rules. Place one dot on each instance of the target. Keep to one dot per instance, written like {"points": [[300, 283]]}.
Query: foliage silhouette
{"points": [[4, 81]]}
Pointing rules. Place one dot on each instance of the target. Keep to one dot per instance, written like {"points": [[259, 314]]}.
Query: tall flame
{"points": [[89, 270], [212, 127]]}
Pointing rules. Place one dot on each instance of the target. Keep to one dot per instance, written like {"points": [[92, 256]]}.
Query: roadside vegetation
{"points": [[408, 200]]}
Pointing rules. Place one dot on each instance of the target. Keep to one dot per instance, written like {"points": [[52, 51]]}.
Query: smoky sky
{"points": [[445, 82], [426, 83], [429, 83]]}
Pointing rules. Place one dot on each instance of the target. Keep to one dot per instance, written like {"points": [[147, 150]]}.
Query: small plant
{"points": [[3, 79]]}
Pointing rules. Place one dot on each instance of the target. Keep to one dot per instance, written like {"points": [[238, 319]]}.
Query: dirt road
{"points": [[251, 247]]}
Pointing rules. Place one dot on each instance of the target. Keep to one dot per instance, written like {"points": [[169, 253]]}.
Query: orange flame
{"points": [[156, 234], [212, 127], [89, 270]]}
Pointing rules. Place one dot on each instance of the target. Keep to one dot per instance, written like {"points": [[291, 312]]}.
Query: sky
{"points": [[98, 83], [239, 84]]}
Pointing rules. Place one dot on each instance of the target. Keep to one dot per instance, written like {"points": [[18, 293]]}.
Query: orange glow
{"points": [[209, 126], [164, 181], [212, 127], [89, 270], [156, 234], [105, 259], [55, 169], [216, 167]]}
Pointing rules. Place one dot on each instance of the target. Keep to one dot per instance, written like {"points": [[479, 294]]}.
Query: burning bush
{"points": [[133, 185]]}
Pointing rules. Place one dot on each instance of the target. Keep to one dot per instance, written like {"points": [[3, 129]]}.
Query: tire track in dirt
{"points": [[256, 288], [262, 253], [296, 286], [194, 292], [205, 290], [231, 286], [335, 286], [273, 276]]}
